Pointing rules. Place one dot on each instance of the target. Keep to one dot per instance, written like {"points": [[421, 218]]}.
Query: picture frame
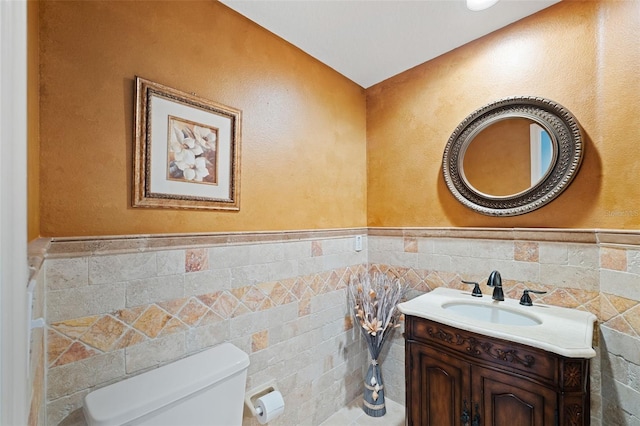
{"points": [[186, 150]]}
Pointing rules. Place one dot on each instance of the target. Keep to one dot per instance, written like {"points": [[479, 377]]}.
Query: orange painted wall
{"points": [[303, 130], [583, 55], [33, 122]]}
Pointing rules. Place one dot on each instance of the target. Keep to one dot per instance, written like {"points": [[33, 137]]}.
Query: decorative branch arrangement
{"points": [[373, 303]]}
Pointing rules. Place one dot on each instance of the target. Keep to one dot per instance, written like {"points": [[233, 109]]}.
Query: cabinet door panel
{"points": [[509, 400], [439, 385]]}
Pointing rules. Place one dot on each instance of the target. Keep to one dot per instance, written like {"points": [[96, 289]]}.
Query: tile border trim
{"points": [[58, 247]]}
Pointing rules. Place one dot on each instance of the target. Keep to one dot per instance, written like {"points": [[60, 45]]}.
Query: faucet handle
{"points": [[476, 290], [526, 299]]}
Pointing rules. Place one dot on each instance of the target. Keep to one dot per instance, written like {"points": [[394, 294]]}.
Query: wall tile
{"points": [[203, 282], [196, 259], [633, 261], [620, 283], [61, 408], [569, 276], [224, 257], [156, 352], [430, 261], [121, 267], [157, 289], [554, 253], [526, 251], [67, 273], [274, 298], [84, 301], [170, 262], [613, 258], [70, 378]]}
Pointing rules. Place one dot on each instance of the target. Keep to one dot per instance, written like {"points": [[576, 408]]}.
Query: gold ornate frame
{"points": [[155, 184]]}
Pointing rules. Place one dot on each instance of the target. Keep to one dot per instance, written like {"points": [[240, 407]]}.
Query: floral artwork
{"points": [[186, 150], [192, 152]]}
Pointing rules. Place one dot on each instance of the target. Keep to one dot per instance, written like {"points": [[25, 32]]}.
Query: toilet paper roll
{"points": [[269, 406]]}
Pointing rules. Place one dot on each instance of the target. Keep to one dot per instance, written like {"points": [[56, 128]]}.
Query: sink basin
{"points": [[564, 331], [493, 314]]}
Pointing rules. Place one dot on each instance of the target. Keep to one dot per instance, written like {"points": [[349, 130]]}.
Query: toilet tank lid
{"points": [[136, 396]]}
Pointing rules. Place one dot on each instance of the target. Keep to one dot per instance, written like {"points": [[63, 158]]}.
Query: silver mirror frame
{"points": [[567, 139]]}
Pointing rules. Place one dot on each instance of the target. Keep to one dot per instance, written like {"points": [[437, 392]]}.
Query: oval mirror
{"points": [[513, 156]]}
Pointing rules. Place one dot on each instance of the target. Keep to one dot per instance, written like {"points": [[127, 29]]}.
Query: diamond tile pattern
{"points": [[80, 338]]}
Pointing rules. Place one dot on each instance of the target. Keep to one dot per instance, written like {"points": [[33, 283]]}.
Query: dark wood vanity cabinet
{"points": [[456, 377]]}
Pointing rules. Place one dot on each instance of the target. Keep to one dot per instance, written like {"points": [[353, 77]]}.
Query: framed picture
{"points": [[187, 150]]}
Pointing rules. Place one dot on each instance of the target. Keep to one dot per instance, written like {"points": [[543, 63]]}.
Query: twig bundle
{"points": [[373, 306]]}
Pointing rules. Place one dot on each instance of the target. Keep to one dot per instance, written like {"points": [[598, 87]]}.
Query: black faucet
{"points": [[495, 281]]}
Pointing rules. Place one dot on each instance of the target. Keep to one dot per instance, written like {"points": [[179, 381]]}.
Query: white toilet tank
{"points": [[203, 389]]}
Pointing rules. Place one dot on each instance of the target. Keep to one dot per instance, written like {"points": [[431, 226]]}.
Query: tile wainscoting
{"points": [[116, 307]]}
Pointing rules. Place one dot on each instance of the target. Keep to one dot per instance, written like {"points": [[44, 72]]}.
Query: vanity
{"points": [[475, 361]]}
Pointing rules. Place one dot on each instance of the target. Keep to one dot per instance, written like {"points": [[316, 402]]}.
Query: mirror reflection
{"points": [[507, 157], [513, 156]]}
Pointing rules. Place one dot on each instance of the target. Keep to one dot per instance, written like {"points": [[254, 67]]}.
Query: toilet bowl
{"points": [[203, 389]]}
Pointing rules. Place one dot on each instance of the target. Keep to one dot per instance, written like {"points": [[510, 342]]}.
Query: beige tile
{"points": [[84, 301], [170, 262], [60, 409], [553, 253], [206, 336], [155, 352], [153, 290], [67, 273], [633, 261], [74, 377], [122, 267], [620, 284], [204, 282]]}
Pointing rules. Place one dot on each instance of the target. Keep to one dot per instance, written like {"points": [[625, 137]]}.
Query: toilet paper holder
{"points": [[251, 396]]}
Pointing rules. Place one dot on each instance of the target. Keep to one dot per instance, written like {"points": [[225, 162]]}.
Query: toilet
{"points": [[203, 389]]}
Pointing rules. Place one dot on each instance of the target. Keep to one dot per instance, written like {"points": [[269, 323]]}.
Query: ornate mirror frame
{"points": [[566, 136]]}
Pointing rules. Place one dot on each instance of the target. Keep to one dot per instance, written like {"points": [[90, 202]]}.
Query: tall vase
{"points": [[373, 404]]}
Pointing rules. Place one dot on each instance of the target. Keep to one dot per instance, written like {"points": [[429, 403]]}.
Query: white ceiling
{"points": [[369, 41]]}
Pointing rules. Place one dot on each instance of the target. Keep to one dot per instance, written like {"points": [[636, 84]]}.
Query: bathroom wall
{"points": [[597, 272], [303, 149], [581, 54], [118, 307], [304, 124]]}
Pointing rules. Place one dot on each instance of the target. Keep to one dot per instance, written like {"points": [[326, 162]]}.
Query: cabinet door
{"points": [[438, 385], [508, 400]]}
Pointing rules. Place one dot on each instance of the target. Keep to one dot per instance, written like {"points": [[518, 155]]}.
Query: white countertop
{"points": [[564, 331]]}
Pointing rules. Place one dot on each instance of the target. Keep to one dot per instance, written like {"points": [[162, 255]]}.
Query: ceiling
{"points": [[369, 41]]}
